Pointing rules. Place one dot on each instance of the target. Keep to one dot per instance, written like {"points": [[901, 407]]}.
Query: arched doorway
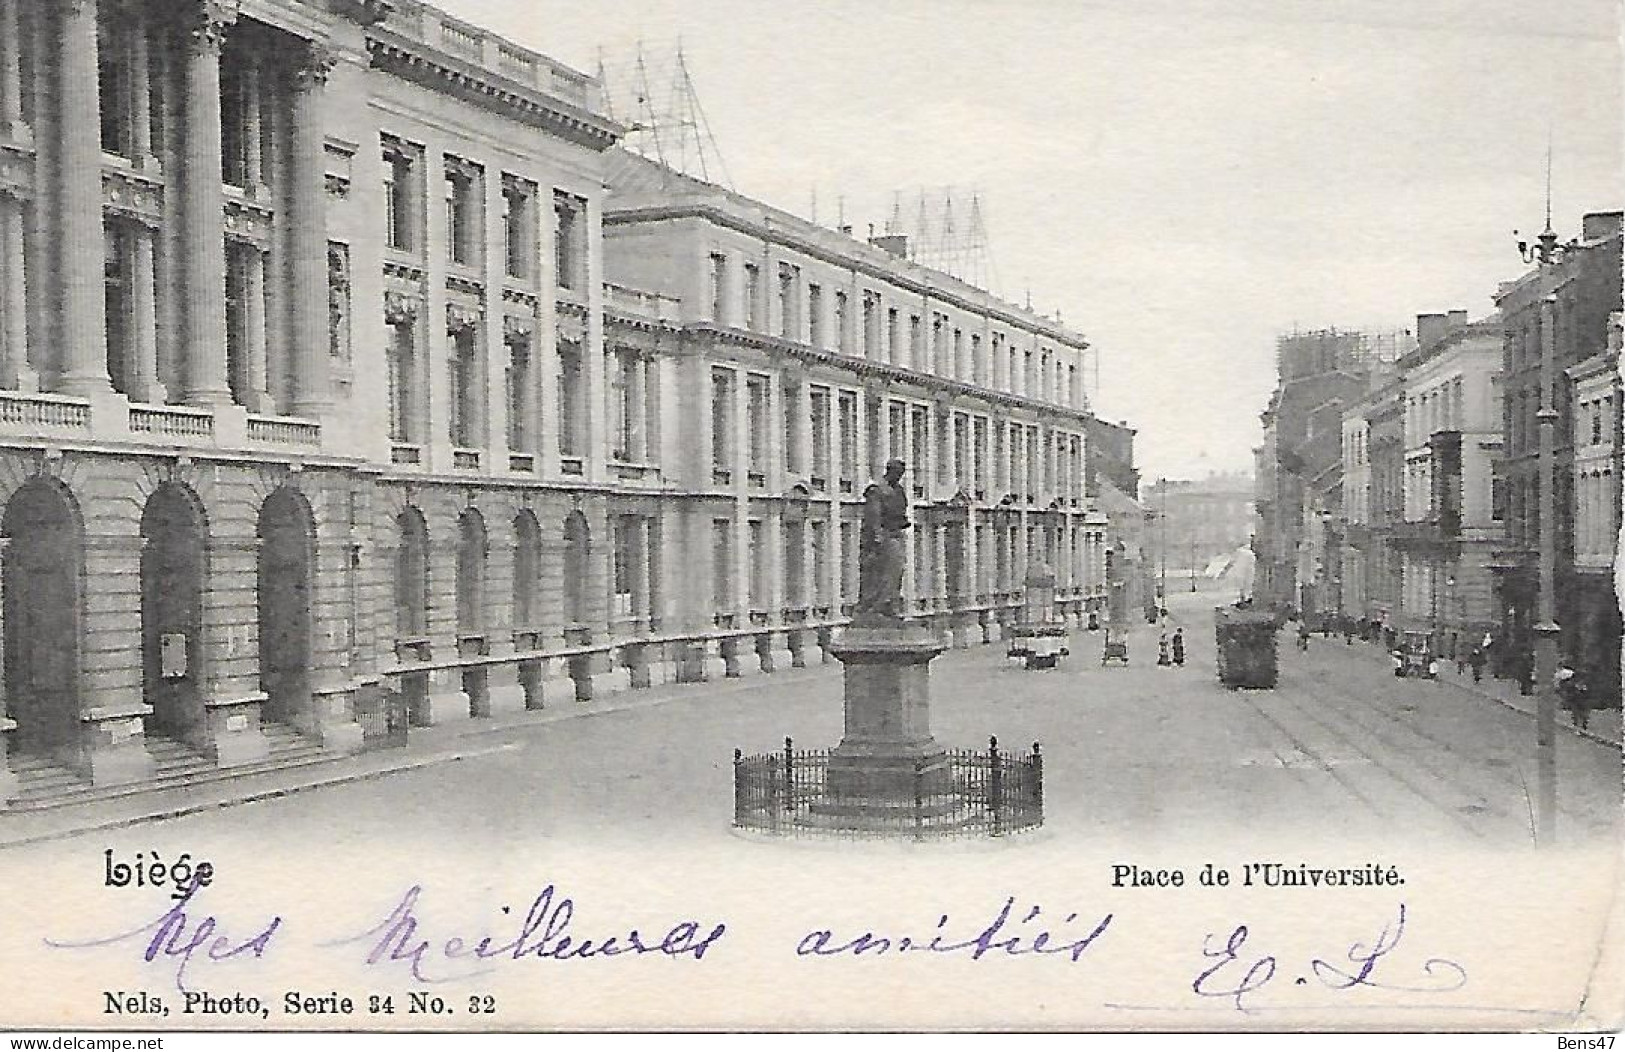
{"points": [[173, 535], [577, 545], [287, 536], [43, 562]]}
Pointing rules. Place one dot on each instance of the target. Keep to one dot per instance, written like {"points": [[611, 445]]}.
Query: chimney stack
{"points": [[1430, 328], [1598, 225]]}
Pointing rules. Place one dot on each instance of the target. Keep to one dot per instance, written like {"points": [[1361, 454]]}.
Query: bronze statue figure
{"points": [[880, 545]]}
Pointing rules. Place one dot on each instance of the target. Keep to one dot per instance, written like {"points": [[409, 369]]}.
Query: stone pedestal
{"points": [[887, 759]]}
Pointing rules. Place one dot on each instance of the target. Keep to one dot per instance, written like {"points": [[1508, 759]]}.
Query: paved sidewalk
{"points": [[426, 747], [1602, 726]]}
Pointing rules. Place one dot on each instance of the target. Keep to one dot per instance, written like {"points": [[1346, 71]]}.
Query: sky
{"points": [[1183, 180]]}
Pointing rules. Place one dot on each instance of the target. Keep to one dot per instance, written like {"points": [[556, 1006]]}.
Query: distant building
{"points": [[1198, 520], [1319, 373]]}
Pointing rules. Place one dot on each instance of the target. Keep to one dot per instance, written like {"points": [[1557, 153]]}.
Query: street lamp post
{"points": [[1549, 254]]}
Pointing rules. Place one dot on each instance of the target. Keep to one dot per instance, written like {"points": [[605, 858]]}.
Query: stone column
{"points": [[82, 246], [202, 243], [308, 240]]}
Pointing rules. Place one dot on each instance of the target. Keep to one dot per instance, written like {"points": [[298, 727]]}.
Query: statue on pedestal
{"points": [[880, 546]]}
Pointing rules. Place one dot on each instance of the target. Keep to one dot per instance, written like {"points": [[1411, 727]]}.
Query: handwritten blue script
{"points": [[176, 937], [1038, 939], [545, 933], [1237, 971]]}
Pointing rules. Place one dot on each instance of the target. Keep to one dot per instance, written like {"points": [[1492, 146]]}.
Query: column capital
{"points": [[400, 308], [204, 22], [311, 65]]}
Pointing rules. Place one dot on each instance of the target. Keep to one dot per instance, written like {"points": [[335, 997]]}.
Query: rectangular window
{"points": [[517, 381], [624, 599], [722, 563], [916, 345], [815, 315], [978, 364], [819, 542], [571, 394], [920, 449], [791, 404], [756, 551], [756, 426], [847, 408], [569, 237], [789, 301], [119, 296], [402, 190], [893, 336], [401, 368], [962, 365], [871, 325], [896, 432], [843, 338], [626, 403], [518, 226], [792, 534], [962, 451], [722, 421], [115, 89], [464, 193], [819, 410], [753, 297], [719, 288], [978, 472], [467, 394]]}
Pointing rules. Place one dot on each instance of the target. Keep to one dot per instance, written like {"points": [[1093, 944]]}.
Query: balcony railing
{"points": [[465, 459], [29, 411], [421, 22], [650, 305], [283, 431], [404, 453], [173, 421]]}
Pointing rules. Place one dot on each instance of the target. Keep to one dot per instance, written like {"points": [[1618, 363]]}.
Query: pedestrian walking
{"points": [[1572, 693], [1162, 649], [1476, 660], [1178, 647], [1303, 636]]}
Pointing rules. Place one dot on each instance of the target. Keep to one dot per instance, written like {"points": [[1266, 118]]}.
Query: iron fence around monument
{"points": [[988, 792]]}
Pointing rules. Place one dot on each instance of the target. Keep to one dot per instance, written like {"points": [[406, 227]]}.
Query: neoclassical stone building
{"points": [[318, 386]]}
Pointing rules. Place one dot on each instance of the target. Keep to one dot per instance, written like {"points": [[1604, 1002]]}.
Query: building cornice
{"points": [[437, 71], [881, 371], [789, 237]]}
